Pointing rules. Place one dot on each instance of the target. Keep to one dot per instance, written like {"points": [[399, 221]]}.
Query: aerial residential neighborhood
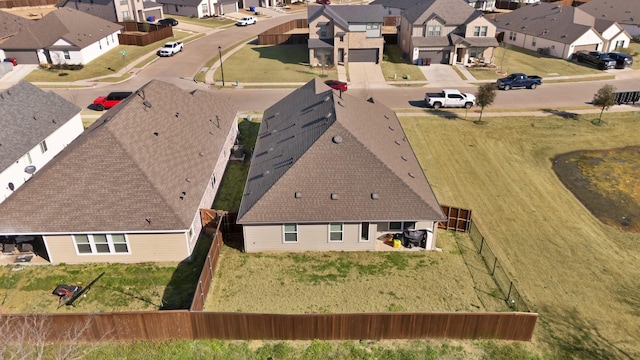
{"points": [[235, 198]]}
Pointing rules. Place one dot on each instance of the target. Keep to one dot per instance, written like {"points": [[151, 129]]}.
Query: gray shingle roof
{"points": [[104, 9], [343, 15], [453, 12], [28, 115], [76, 27], [134, 162], [150, 4], [547, 21], [397, 4], [621, 11], [180, 2], [316, 143], [11, 24]]}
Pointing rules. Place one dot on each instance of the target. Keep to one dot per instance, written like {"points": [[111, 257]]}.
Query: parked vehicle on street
{"points": [[323, 2], [247, 20], [337, 85], [600, 60], [449, 98], [109, 101], [171, 48], [168, 21], [519, 80], [622, 60]]}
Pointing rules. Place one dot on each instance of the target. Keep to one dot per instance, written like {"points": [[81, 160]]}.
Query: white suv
{"points": [[247, 20]]}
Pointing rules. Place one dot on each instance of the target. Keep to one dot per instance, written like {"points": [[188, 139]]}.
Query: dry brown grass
{"points": [[581, 275], [341, 282]]}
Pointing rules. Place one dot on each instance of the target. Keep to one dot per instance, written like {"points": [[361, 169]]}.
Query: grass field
{"points": [[394, 64], [579, 274]]}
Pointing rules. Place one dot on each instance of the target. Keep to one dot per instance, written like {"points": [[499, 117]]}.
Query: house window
{"points": [[479, 31], [323, 31], [213, 180], [290, 233], [373, 26], [512, 36], [191, 233], [335, 232], [43, 146], [402, 225], [619, 44], [533, 42], [125, 15], [177, 9], [434, 30], [364, 231], [477, 53], [100, 44], [66, 54], [107, 41], [205, 9], [123, 2], [101, 244], [341, 38], [27, 158]]}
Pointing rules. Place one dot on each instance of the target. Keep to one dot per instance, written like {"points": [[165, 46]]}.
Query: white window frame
{"points": [[512, 35], [27, 158], [110, 244], [191, 233], [285, 232], [205, 9], [404, 225], [43, 146], [434, 30], [365, 225], [533, 41], [66, 54], [331, 231]]}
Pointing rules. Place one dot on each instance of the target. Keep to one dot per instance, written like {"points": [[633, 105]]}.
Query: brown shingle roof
{"points": [[134, 162], [315, 143], [76, 27], [621, 11], [452, 12], [564, 24], [11, 24]]}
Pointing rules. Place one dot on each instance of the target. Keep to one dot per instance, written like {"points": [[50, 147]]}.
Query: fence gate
{"points": [[457, 219]]}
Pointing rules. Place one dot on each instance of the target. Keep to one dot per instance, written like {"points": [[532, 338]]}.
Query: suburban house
{"points": [[559, 31], [266, 3], [63, 36], [345, 33], [129, 189], [117, 10], [624, 12], [199, 8], [395, 7], [36, 125], [11, 25], [446, 32], [340, 172]]}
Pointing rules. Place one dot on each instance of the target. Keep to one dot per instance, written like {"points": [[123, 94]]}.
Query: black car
{"points": [[168, 21], [622, 60]]}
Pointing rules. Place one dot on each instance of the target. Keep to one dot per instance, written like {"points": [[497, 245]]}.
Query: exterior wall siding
{"points": [[559, 50], [55, 143], [311, 237], [142, 248], [182, 10], [83, 56], [481, 21], [611, 46]]}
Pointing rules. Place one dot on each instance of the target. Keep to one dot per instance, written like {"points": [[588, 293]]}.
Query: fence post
{"points": [[493, 271], [510, 287], [481, 244]]}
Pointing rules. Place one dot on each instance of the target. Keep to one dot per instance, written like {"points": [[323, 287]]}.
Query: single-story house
{"points": [[63, 36], [446, 32], [129, 189], [333, 172], [624, 12], [11, 25], [345, 33], [559, 31], [36, 125], [199, 8], [117, 10]]}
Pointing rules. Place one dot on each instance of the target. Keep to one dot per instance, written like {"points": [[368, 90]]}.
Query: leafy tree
{"points": [[485, 96], [604, 98]]}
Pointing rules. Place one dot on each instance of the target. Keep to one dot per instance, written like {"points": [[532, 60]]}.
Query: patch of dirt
{"points": [[32, 12], [607, 182]]}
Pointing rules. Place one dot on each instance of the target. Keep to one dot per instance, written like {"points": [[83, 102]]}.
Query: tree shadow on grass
{"points": [[563, 114], [179, 291], [573, 337]]}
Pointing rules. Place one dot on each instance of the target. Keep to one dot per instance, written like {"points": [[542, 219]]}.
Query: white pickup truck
{"points": [[449, 98], [171, 48]]}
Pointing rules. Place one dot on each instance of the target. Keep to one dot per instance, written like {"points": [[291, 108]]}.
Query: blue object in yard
{"points": [[151, 19], [419, 62], [252, 8]]}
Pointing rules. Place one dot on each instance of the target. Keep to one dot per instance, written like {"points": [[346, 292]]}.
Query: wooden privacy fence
{"points": [[284, 33], [141, 34], [457, 219], [183, 324], [209, 218]]}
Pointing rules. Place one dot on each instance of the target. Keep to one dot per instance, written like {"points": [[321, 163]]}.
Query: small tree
{"points": [[485, 96], [604, 98]]}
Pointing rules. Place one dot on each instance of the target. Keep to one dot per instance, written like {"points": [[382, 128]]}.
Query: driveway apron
{"points": [[366, 76], [442, 75]]}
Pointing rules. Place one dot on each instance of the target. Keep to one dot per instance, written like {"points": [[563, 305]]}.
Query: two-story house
{"points": [[199, 8], [446, 32], [345, 33], [36, 125], [117, 10]]}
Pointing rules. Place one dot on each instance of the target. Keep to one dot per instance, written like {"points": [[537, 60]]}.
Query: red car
{"points": [[337, 85], [323, 2], [109, 101]]}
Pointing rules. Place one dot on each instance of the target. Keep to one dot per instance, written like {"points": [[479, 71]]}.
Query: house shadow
{"points": [[285, 54]]}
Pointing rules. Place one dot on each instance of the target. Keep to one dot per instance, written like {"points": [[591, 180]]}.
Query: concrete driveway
{"points": [[442, 75], [366, 76], [13, 77]]}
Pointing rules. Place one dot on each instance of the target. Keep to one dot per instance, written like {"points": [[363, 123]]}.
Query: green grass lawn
{"points": [[213, 22], [393, 64], [513, 59], [107, 64], [267, 64]]}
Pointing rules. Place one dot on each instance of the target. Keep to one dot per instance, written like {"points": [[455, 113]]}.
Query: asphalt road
{"points": [[181, 69]]}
